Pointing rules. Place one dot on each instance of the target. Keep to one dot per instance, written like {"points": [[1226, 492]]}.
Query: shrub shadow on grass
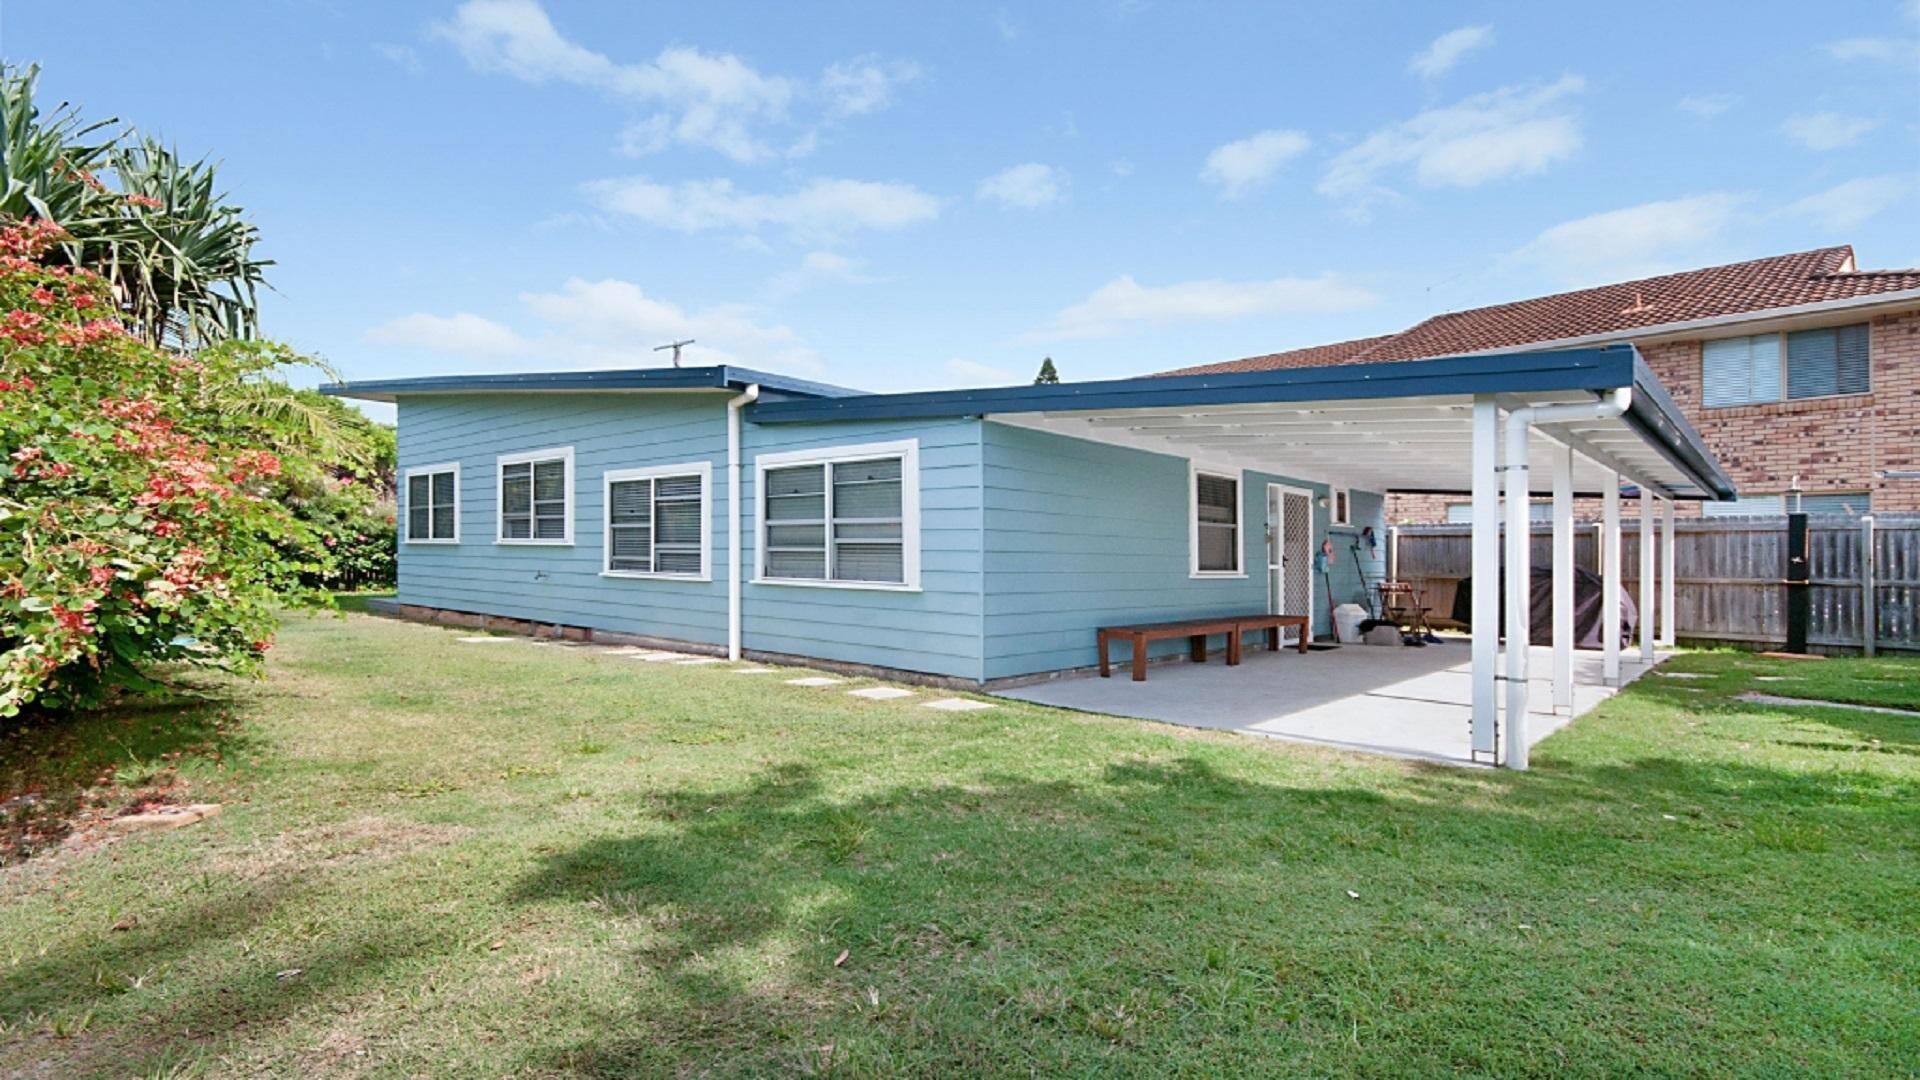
{"points": [[1014, 924], [49, 764]]}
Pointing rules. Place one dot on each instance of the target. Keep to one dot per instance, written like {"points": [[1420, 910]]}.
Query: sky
{"points": [[892, 196]]}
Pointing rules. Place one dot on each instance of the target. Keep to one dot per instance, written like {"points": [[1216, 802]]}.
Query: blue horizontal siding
{"points": [[554, 583], [935, 630], [1081, 534]]}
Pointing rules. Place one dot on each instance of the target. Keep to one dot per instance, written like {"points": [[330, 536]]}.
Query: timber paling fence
{"points": [[1729, 574]]}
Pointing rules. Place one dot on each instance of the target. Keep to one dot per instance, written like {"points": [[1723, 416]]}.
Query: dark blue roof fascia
{"points": [[1596, 369], [700, 378]]}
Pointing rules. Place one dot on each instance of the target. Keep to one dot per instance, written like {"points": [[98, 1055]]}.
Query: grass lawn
{"points": [[478, 859]]}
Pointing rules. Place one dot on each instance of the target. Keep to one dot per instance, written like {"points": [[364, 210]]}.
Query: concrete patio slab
{"points": [[1409, 702], [814, 680], [881, 693], [956, 704]]}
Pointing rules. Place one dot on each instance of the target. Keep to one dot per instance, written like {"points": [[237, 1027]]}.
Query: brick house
{"points": [[1794, 366]]}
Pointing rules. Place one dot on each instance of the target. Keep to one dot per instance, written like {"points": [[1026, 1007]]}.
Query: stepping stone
{"points": [[664, 657], [1774, 678], [1680, 674], [753, 671], [813, 680], [957, 704], [483, 640], [880, 693], [1775, 699], [700, 660]]}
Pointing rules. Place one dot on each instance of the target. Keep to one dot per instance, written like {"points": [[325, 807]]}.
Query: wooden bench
{"points": [[1196, 631]]}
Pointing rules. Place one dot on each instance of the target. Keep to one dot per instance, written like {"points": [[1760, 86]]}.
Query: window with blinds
{"points": [[836, 521], [1762, 368], [432, 504], [535, 498], [1216, 509], [656, 523]]}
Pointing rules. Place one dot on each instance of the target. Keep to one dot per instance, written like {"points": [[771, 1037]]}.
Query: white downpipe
{"points": [[1610, 580], [1519, 584], [1520, 553], [1486, 571], [1563, 579], [746, 397], [1669, 618], [1647, 612]]}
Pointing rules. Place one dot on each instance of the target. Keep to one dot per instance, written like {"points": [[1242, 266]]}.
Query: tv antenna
{"points": [[676, 346]]}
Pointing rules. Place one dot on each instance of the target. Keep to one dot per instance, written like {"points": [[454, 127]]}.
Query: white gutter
{"points": [[1677, 329], [734, 405], [1520, 550]]}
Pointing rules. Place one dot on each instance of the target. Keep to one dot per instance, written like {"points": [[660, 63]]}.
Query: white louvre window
{"points": [[657, 522], [433, 504], [1339, 506], [536, 501], [1763, 368], [850, 519], [1461, 513], [1740, 371], [1216, 523]]}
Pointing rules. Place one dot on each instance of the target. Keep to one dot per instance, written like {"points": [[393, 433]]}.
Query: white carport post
{"points": [[1486, 572], [1519, 585], [1647, 612], [1563, 578], [1610, 580], [1669, 618]]}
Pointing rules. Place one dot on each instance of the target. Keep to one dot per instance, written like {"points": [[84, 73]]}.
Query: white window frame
{"points": [[1339, 506], [430, 471], [528, 457], [702, 469], [1239, 477], [1785, 361], [907, 450]]}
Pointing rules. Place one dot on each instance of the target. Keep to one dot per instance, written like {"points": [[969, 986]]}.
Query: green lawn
{"points": [[455, 859]]}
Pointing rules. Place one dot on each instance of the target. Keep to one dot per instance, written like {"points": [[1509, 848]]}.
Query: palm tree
{"points": [[179, 256]]}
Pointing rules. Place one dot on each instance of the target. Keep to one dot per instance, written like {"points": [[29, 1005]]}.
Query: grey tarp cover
{"points": [[1586, 608]]}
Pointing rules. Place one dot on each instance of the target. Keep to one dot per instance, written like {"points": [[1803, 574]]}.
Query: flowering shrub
{"points": [[139, 516]]}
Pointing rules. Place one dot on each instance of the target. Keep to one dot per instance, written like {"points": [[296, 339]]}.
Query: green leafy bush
{"points": [[143, 515]]}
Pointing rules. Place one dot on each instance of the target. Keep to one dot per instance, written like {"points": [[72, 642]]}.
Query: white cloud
{"points": [[1026, 187], [713, 100], [1007, 28], [822, 208], [971, 373], [1707, 106], [1513, 131], [819, 268], [1124, 302], [462, 334], [1121, 167], [605, 323], [1848, 205], [1827, 130], [1637, 241], [865, 84], [400, 56], [1449, 49], [1887, 49], [1244, 164]]}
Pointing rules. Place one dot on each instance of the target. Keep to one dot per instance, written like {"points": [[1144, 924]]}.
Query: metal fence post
{"points": [[1869, 614]]}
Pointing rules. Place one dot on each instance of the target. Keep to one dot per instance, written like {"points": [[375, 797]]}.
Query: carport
{"points": [[1564, 424]]}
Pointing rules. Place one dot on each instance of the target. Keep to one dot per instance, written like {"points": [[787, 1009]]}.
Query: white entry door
{"points": [[1289, 551]]}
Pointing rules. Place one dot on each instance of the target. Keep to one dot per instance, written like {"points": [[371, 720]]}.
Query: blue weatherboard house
{"points": [[973, 536]]}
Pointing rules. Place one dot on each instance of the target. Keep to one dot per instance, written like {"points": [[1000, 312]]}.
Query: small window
{"points": [[536, 497], [1461, 513], [850, 519], [657, 524], [1216, 523], [1848, 503], [1763, 368], [1339, 506], [433, 504]]}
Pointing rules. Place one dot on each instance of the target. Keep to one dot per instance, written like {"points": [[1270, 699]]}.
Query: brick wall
{"points": [[1836, 444]]}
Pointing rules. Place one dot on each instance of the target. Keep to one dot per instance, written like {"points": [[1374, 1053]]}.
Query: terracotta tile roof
{"points": [[1316, 356], [1756, 286]]}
